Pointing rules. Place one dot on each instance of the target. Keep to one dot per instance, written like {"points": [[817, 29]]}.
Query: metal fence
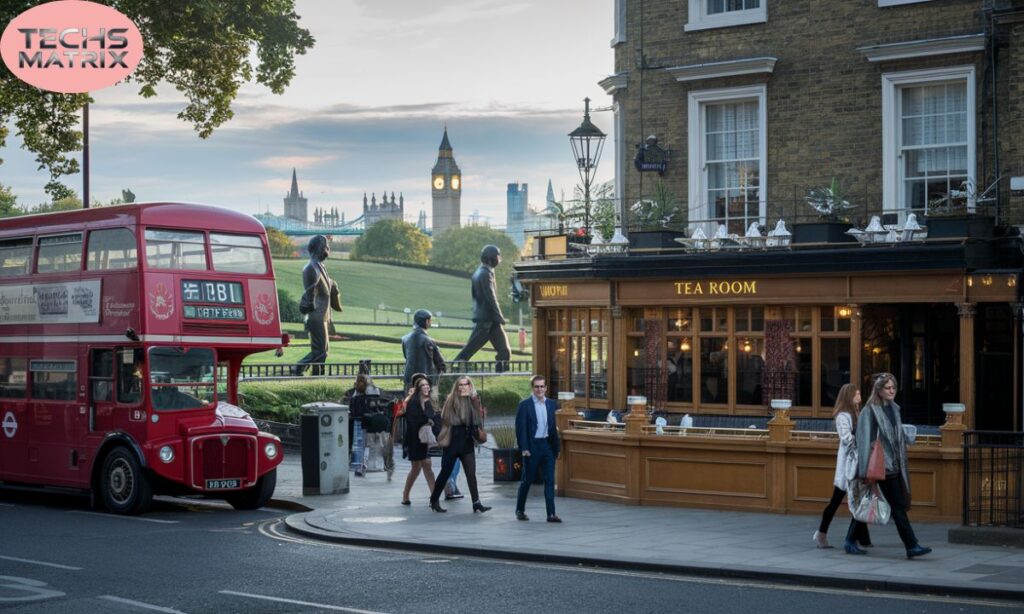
{"points": [[994, 479], [376, 369]]}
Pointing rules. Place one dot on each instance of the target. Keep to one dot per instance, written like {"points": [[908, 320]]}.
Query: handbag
{"points": [[867, 503], [480, 435], [876, 463], [426, 435]]}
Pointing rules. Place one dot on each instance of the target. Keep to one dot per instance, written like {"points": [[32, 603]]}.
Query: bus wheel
{"points": [[124, 486], [257, 496]]}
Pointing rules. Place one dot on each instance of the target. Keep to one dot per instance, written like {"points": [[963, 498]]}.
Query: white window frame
{"points": [[698, 208], [885, 3], [620, 23], [701, 20], [892, 167], [620, 163]]}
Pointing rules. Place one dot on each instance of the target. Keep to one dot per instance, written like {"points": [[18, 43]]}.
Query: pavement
{"points": [[708, 543]]}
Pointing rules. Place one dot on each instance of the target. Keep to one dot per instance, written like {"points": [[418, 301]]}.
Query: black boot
{"points": [[480, 507], [436, 506]]}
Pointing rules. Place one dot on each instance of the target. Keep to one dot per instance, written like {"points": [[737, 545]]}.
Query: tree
{"points": [[459, 249], [204, 48], [280, 245], [392, 240], [68, 203], [8, 202], [604, 215]]}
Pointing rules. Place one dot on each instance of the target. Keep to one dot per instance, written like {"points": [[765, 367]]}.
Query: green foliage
{"points": [[280, 245], [127, 196], [8, 202], [282, 401], [829, 201], [459, 249], [288, 306], [204, 48], [655, 212], [503, 436], [68, 203], [604, 214], [393, 239]]}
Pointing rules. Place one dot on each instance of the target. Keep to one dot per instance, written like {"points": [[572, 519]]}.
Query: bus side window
{"points": [[60, 253], [54, 380], [101, 376], [12, 378], [129, 376], [111, 248], [15, 257]]}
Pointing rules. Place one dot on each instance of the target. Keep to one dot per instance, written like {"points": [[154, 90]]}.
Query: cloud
{"points": [[277, 162]]}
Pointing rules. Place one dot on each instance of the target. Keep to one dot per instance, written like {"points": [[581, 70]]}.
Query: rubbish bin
{"points": [[324, 448]]}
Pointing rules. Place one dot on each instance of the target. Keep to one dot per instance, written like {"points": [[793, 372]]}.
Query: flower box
{"points": [[655, 239], [508, 466], [822, 232], [961, 226]]}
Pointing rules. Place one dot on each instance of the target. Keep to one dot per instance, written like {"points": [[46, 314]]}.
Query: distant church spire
{"points": [[295, 184]]}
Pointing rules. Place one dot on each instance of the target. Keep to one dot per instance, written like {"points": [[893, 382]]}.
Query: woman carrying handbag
{"points": [[845, 417], [462, 426], [880, 421], [419, 412]]}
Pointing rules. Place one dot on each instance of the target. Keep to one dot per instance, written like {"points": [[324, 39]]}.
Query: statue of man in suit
{"points": [[319, 297], [488, 322]]}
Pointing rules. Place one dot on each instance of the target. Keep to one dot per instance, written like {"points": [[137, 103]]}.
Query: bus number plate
{"points": [[222, 484]]}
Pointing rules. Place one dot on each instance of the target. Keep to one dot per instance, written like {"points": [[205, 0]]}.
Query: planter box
{"points": [[961, 227], [822, 232], [508, 466], [655, 239]]}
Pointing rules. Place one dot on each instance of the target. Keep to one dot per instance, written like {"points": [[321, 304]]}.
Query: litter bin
{"points": [[324, 448]]}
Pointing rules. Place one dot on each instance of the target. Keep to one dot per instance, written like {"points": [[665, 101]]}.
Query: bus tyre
{"points": [[257, 496], [124, 485]]}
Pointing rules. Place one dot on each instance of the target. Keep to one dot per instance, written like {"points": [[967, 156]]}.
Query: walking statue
{"points": [[421, 352], [488, 322], [321, 295]]}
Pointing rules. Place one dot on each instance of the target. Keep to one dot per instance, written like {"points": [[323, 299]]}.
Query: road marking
{"points": [[322, 606], [6, 505], [141, 604], [43, 563], [436, 561], [34, 588], [139, 518]]}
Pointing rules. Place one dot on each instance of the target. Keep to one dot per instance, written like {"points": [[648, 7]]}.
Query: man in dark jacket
{"points": [[420, 351], [488, 322], [537, 438]]}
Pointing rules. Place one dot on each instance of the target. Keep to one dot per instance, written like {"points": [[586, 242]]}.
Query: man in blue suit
{"points": [[537, 436]]}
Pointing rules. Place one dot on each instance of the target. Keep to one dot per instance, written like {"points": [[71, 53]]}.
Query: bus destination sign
{"points": [[216, 292], [207, 312]]}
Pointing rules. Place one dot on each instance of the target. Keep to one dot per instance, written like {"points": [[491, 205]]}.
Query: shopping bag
{"points": [[867, 503]]}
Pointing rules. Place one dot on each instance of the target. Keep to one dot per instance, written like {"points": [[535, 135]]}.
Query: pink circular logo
{"points": [[71, 46]]}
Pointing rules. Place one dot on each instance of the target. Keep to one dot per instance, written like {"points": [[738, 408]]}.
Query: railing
{"points": [[378, 369], [994, 479]]}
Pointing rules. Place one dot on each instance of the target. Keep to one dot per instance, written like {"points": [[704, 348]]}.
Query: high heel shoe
{"points": [[480, 507], [821, 540], [436, 506]]}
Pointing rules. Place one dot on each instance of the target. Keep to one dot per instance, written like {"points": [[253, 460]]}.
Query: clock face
{"points": [[456, 182], [439, 183]]}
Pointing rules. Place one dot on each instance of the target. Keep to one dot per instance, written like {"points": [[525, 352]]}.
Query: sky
{"points": [[366, 111]]}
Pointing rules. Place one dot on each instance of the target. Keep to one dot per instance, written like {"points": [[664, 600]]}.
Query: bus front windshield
{"points": [[181, 378]]}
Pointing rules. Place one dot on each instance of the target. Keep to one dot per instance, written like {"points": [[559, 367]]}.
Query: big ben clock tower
{"points": [[446, 189]]}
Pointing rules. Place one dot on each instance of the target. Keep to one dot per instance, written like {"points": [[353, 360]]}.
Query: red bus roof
{"points": [[165, 214]]}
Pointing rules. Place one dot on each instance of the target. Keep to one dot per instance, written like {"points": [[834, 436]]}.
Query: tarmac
{"points": [[696, 542]]}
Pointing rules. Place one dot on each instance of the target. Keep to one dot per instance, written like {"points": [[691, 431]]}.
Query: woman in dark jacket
{"points": [[463, 415], [419, 411], [880, 419]]}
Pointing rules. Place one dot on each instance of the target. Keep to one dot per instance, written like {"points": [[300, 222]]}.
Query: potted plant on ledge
{"points": [[832, 206], [952, 214], [649, 218]]}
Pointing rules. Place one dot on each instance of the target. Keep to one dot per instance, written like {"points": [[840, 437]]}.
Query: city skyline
{"points": [[395, 76]]}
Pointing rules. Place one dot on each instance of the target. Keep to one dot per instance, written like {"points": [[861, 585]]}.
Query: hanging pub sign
{"points": [[651, 157]]}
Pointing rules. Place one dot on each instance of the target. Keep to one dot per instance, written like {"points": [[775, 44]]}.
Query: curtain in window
{"points": [[725, 6], [732, 154], [933, 121]]}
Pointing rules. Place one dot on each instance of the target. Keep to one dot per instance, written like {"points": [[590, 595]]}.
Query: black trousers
{"points": [[317, 355], [860, 530], [461, 449], [482, 333]]}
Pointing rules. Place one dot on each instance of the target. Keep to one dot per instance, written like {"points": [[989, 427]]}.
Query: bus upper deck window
{"points": [[111, 248], [60, 253], [238, 253], [175, 249], [15, 257]]}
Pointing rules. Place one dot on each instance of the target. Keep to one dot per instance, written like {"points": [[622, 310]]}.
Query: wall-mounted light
{"points": [[685, 345], [844, 311], [986, 280]]}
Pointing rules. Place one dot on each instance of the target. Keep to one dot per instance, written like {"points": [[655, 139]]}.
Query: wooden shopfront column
{"points": [[966, 311], [856, 377]]}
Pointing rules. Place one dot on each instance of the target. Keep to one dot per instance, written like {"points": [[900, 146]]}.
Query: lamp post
{"points": [[586, 142]]}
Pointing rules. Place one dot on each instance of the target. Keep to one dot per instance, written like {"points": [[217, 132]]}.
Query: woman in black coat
{"points": [[463, 416], [419, 411]]}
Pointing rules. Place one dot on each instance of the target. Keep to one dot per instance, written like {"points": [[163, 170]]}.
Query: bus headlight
{"points": [[167, 454], [270, 450]]}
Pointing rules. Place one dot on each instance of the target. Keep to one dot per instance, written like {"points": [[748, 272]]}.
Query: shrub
{"points": [[503, 436], [289, 307], [282, 401]]}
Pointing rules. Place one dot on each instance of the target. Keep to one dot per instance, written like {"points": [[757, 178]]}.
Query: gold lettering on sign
{"points": [[550, 291], [719, 288]]}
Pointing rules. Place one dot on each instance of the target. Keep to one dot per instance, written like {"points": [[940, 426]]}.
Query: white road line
{"points": [[43, 563], [322, 606], [139, 518], [141, 604], [6, 505]]}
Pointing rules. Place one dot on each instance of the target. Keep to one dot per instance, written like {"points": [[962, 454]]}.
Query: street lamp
{"points": [[407, 311], [586, 142]]}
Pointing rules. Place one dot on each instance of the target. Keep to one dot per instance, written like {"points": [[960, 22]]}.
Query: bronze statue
{"points": [[421, 352], [488, 322], [320, 296]]}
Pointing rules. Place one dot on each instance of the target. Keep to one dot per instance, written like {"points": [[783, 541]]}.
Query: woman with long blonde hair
{"points": [[462, 414], [845, 417]]}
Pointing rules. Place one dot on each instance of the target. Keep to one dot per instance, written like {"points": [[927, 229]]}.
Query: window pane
{"points": [[556, 358], [12, 378], [680, 370], [238, 253], [636, 364], [113, 248], [714, 371], [578, 366], [835, 369], [749, 366], [63, 253], [175, 249], [54, 380], [598, 368], [15, 257], [130, 376], [679, 321], [933, 143], [804, 372]]}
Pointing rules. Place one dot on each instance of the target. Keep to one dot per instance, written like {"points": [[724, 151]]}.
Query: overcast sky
{"points": [[366, 112]]}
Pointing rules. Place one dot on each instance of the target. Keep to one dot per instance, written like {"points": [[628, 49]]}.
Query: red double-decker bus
{"points": [[122, 331]]}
